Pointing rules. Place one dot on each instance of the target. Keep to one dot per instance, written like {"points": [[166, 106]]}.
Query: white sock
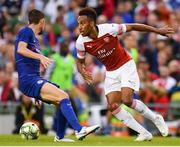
{"points": [[143, 109], [128, 120]]}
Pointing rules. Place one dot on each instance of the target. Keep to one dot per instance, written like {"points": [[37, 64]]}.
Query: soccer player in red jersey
{"points": [[122, 78]]}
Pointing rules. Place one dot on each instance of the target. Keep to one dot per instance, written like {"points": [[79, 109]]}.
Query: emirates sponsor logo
{"points": [[103, 53]]}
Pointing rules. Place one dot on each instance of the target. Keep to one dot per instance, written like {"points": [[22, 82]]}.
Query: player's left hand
{"points": [[38, 103], [45, 61], [166, 31]]}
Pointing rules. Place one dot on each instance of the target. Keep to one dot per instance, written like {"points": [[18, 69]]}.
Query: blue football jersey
{"points": [[27, 66]]}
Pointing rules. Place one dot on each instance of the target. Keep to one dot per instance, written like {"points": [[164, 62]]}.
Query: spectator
{"points": [[174, 69], [27, 111], [2, 23], [63, 65], [130, 44], [6, 90], [142, 10], [175, 102], [161, 88]]}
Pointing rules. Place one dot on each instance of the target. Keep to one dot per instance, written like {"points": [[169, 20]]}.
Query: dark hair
{"points": [[89, 12], [35, 16]]}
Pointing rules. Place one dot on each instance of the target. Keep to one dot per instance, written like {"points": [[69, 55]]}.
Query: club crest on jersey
{"points": [[89, 46], [39, 81], [33, 48], [106, 39]]}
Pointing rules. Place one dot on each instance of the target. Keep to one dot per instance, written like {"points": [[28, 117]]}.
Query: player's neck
{"points": [[34, 28], [94, 33]]}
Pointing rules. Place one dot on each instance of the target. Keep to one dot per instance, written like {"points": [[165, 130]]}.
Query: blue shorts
{"points": [[31, 86]]}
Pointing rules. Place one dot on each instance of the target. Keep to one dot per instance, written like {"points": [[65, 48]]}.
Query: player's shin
{"points": [[61, 124], [140, 107], [155, 118], [128, 120], [68, 112]]}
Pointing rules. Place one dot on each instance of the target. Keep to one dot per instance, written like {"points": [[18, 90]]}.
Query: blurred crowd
{"points": [[157, 57]]}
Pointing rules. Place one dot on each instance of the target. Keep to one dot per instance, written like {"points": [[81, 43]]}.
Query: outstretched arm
{"points": [[165, 31]]}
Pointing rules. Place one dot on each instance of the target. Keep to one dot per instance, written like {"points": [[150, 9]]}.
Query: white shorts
{"points": [[125, 76]]}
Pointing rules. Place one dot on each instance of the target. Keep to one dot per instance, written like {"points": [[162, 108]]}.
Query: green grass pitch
{"points": [[15, 140]]}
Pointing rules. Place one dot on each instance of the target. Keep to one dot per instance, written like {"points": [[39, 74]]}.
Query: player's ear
{"points": [[92, 23], [43, 21]]}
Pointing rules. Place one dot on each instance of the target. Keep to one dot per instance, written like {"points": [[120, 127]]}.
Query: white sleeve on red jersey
{"points": [[80, 48], [116, 29]]}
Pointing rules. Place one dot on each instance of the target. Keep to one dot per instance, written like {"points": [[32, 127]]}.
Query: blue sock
{"points": [[61, 124], [68, 112]]}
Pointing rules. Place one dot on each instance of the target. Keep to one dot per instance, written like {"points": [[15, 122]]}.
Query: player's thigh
{"points": [[51, 93], [129, 82], [111, 85], [114, 97], [129, 76]]}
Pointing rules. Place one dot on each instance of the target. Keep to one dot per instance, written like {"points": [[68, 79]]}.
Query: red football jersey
{"points": [[106, 48]]}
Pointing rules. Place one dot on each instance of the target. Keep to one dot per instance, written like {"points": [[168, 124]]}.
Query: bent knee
{"points": [[127, 102], [58, 99], [112, 107]]}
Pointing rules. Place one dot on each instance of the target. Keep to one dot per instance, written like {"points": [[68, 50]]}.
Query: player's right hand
{"points": [[87, 76], [45, 61]]}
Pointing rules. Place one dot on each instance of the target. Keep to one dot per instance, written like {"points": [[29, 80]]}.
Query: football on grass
{"points": [[29, 130]]}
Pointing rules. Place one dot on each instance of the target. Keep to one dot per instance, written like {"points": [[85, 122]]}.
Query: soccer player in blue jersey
{"points": [[28, 60]]}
